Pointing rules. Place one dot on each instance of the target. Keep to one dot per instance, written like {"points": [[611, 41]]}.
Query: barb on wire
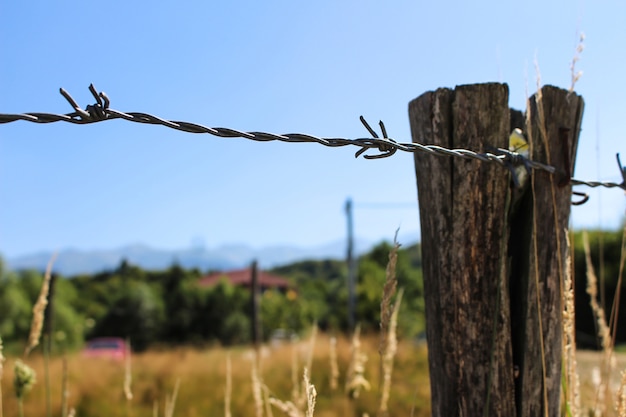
{"points": [[384, 149], [101, 111]]}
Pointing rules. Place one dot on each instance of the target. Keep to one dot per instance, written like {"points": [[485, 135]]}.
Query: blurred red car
{"points": [[106, 347]]}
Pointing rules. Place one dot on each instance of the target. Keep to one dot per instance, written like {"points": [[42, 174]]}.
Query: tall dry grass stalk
{"points": [[295, 366], [388, 323], [334, 366], [1, 369], [621, 396], [355, 377], [257, 385], [170, 401], [292, 409], [311, 394], [391, 348], [311, 350], [603, 394], [535, 249], [64, 390], [266, 401], [39, 309], [543, 133], [128, 377], [579, 50], [299, 395], [618, 290], [592, 289], [229, 387], [286, 407], [570, 371], [571, 386], [571, 376], [389, 290]]}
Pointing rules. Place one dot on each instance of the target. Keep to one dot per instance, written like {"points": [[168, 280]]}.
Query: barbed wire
{"points": [[101, 111]]}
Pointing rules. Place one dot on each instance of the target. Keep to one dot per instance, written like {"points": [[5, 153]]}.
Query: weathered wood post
{"points": [[481, 266]]}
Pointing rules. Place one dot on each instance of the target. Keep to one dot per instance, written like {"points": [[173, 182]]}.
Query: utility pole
{"points": [[255, 295], [351, 266]]}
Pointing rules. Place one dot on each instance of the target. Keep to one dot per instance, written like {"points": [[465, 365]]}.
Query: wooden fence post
{"points": [[553, 126], [482, 319]]}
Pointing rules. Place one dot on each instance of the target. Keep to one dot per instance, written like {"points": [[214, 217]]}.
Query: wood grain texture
{"points": [[463, 214], [555, 119], [493, 275]]}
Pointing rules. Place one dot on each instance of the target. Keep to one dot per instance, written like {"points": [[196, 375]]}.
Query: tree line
{"points": [[169, 308]]}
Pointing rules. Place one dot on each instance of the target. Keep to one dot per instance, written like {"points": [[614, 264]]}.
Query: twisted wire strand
{"points": [[594, 184], [386, 146]]}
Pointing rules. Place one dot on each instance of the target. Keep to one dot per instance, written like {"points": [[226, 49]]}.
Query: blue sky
{"points": [[275, 66]]}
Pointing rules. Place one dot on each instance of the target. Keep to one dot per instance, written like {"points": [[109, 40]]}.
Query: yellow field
{"points": [[95, 387]]}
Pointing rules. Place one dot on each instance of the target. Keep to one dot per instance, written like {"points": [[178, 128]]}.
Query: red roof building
{"points": [[243, 278]]}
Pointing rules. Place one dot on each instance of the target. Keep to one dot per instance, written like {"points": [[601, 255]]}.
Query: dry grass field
{"points": [[96, 387], [316, 375]]}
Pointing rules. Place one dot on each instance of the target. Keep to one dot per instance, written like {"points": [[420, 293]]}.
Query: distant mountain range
{"points": [[71, 262]]}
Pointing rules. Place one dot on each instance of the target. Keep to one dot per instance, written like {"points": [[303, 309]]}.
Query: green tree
{"points": [[18, 293], [225, 300], [184, 302], [137, 313], [285, 311], [235, 328], [68, 327], [15, 311], [321, 292]]}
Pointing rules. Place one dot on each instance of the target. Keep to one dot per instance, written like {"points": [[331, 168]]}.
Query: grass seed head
{"points": [[39, 309], [24, 378]]}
